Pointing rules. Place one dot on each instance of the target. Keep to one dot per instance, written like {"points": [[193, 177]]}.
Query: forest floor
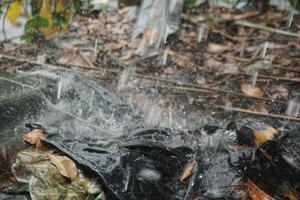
{"points": [[244, 62]]}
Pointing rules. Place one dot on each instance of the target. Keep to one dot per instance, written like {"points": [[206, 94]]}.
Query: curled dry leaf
{"points": [[251, 90], [34, 137], [187, 171], [65, 166], [256, 193], [261, 136]]}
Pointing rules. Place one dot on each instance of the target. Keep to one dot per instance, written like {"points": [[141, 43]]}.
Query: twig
{"points": [[194, 87], [54, 66], [87, 60], [266, 28], [3, 23], [228, 78], [277, 78], [278, 116], [246, 60]]}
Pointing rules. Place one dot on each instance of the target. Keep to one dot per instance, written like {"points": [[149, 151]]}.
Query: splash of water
{"points": [[202, 32], [254, 78], [293, 107], [126, 80]]}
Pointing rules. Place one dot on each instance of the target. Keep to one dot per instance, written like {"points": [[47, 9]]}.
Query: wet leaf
{"points": [[256, 193], [14, 11], [64, 165], [261, 136], [288, 192], [251, 90], [34, 137], [187, 171]]}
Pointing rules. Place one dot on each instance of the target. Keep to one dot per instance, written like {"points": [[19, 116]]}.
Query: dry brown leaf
{"points": [[251, 90], [151, 35], [187, 171], [261, 136], [217, 48], [256, 193], [249, 14], [211, 62], [34, 137], [65, 166], [117, 44]]}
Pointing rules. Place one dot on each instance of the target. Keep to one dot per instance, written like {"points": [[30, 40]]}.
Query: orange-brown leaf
{"points": [[46, 13], [261, 136], [256, 193], [34, 137], [187, 171]]}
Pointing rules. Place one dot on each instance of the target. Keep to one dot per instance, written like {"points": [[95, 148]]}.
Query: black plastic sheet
{"points": [[146, 165]]}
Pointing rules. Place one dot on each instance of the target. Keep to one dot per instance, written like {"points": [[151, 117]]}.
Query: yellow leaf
{"points": [[188, 170], [261, 136], [256, 193], [45, 12], [64, 165], [68, 15], [251, 90], [59, 5], [14, 11]]}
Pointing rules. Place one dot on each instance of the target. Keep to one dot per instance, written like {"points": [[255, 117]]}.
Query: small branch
{"points": [[266, 28], [193, 87], [3, 24], [92, 66], [278, 116]]}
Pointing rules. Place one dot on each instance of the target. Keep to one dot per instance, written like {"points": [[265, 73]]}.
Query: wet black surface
{"points": [[134, 162]]}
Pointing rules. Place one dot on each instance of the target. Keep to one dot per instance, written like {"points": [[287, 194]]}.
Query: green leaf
{"points": [[29, 37], [36, 21]]}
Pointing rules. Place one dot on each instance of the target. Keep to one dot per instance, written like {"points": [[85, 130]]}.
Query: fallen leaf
{"points": [[59, 6], [256, 193], [216, 48], [151, 35], [34, 137], [245, 15], [261, 136], [45, 12], [251, 90], [288, 192], [14, 11], [187, 171], [65, 166]]}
